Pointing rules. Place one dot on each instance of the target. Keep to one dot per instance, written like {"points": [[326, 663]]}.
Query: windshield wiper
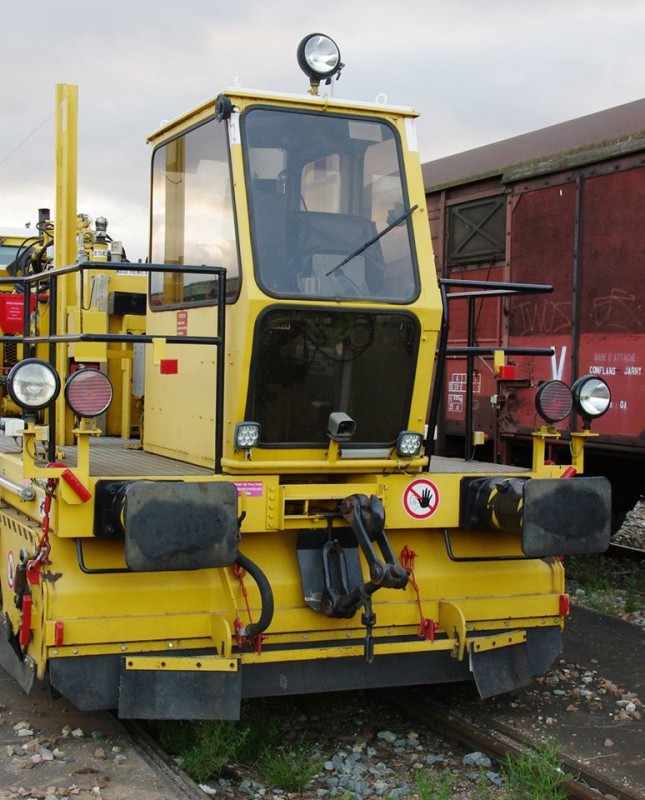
{"points": [[394, 224]]}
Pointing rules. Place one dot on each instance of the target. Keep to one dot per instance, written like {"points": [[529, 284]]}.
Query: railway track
{"points": [[582, 783], [497, 740], [131, 780], [161, 762], [625, 551], [487, 734], [344, 724], [456, 714]]}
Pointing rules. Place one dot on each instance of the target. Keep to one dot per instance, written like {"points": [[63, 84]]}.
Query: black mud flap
{"points": [[22, 670], [566, 516], [506, 668], [94, 683], [175, 694], [91, 683], [176, 525]]}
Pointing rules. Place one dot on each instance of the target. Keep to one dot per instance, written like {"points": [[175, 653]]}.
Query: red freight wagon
{"points": [[564, 206]]}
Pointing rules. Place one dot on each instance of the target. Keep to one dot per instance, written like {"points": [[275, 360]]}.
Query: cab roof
{"points": [[318, 102]]}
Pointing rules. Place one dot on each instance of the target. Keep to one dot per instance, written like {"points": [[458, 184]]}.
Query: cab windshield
{"points": [[7, 254], [328, 204]]}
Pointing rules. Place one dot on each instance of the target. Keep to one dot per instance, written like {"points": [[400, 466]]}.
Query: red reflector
{"points": [[88, 392], [58, 634], [169, 366], [507, 373], [75, 485], [563, 608], [569, 472], [24, 634], [553, 401]]}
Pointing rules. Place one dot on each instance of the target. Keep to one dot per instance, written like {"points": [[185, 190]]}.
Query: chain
{"points": [[44, 545], [240, 573], [427, 627]]}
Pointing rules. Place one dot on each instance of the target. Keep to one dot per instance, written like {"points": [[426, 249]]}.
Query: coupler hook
{"points": [[367, 518], [368, 619]]}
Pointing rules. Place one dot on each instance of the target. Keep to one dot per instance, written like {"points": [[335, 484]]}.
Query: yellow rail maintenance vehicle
{"points": [[283, 526], [30, 253]]}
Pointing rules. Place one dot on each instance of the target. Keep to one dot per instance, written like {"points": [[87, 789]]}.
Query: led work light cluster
{"points": [[33, 384], [340, 428], [589, 396]]}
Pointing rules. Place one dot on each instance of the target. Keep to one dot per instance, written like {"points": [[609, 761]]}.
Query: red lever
{"points": [[75, 485]]}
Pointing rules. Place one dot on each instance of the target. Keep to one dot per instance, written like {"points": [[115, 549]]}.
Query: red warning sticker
{"points": [[11, 570], [421, 498]]}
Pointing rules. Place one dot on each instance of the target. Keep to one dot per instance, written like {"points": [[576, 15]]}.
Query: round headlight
{"points": [[88, 392], [33, 384], [553, 401], [318, 56], [591, 396]]}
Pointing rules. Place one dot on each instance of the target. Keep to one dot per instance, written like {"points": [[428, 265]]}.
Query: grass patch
{"points": [[204, 748], [290, 767], [607, 585], [439, 787], [432, 787], [536, 775]]}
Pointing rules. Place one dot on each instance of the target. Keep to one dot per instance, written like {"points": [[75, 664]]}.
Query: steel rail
{"points": [[159, 760], [625, 551], [580, 783]]}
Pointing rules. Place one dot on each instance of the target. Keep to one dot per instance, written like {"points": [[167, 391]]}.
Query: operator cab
{"points": [[322, 239]]}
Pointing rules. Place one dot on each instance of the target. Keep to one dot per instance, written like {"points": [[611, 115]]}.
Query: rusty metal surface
{"points": [[613, 125], [589, 237], [581, 228]]}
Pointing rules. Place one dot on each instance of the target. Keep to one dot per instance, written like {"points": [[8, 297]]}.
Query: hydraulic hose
{"points": [[266, 595]]}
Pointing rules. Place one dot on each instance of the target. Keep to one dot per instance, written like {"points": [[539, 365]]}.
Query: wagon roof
{"points": [[593, 137]]}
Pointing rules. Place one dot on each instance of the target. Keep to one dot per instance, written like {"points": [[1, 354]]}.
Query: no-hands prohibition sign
{"points": [[421, 498], [11, 569]]}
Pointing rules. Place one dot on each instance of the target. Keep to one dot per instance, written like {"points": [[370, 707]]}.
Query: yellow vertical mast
{"points": [[65, 223]]}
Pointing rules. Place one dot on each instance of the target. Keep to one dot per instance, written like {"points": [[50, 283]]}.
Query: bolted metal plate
{"points": [[179, 695], [506, 668], [566, 516], [499, 671], [174, 525]]}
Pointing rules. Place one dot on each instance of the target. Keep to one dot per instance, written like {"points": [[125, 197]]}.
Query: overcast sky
{"points": [[477, 70]]}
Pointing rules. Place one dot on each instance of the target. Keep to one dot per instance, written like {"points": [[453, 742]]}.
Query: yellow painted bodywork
{"points": [[127, 612], [103, 609]]}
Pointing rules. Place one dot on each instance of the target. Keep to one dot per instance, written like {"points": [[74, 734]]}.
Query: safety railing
{"points": [[472, 290], [46, 284]]}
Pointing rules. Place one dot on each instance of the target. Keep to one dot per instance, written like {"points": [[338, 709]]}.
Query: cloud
{"points": [[477, 70]]}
